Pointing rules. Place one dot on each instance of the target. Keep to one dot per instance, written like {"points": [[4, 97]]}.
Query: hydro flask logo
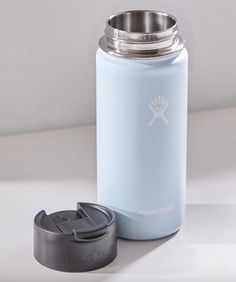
{"points": [[158, 107]]}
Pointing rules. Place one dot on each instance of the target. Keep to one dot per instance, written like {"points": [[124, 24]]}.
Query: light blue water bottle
{"points": [[142, 77]]}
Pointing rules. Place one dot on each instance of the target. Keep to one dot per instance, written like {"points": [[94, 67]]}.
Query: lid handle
{"points": [[88, 235], [83, 214]]}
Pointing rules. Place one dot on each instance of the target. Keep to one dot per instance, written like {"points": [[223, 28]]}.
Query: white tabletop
{"points": [[53, 170]]}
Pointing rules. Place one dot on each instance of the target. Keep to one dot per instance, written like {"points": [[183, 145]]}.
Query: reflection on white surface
{"points": [[53, 170]]}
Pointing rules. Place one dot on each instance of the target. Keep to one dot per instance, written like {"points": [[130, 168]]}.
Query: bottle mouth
{"points": [[141, 33], [142, 21]]}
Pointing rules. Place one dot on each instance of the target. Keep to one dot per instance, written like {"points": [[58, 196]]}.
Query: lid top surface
{"points": [[88, 221]]}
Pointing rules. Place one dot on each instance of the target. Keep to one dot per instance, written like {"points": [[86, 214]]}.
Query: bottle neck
{"points": [[141, 34]]}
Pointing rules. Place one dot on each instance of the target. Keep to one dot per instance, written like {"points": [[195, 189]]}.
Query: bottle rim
{"points": [[141, 33]]}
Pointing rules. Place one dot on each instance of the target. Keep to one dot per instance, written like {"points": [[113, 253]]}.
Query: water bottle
{"points": [[141, 92]]}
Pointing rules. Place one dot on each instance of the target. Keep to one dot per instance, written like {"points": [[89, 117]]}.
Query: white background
{"points": [[47, 57]]}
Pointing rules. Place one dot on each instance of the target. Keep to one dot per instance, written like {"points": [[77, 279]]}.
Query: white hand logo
{"points": [[158, 106]]}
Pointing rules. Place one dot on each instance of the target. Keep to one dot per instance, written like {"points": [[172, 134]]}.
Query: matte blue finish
{"points": [[141, 142]]}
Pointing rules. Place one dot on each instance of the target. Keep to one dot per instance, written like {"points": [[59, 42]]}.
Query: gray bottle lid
{"points": [[76, 240]]}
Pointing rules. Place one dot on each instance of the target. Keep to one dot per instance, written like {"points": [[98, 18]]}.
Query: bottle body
{"points": [[141, 142]]}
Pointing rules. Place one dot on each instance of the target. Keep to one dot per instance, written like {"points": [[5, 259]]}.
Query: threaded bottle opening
{"points": [[141, 34]]}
